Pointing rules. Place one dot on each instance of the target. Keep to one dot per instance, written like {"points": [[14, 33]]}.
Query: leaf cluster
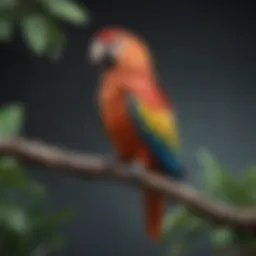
{"points": [[182, 228], [26, 229], [40, 23]]}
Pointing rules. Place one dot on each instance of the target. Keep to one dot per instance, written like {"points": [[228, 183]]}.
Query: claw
{"points": [[137, 168], [111, 161]]}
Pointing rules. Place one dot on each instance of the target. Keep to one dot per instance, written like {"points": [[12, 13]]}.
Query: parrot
{"points": [[138, 117]]}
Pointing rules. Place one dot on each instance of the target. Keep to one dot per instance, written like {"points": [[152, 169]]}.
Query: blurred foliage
{"points": [[182, 228], [39, 22], [25, 228]]}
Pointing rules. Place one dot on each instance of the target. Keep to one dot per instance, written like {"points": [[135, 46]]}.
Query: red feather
{"points": [[133, 73]]}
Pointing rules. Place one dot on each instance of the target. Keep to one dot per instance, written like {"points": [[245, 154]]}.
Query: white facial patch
{"points": [[96, 51]]}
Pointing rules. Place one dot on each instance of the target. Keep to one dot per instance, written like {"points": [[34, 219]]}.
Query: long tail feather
{"points": [[154, 213]]}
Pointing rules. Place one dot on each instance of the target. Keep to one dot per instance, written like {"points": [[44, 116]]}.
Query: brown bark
{"points": [[93, 166]]}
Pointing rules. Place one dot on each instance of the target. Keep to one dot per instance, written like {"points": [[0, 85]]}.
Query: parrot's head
{"points": [[111, 47]]}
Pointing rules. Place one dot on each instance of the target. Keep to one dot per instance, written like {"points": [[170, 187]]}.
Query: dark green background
{"points": [[206, 59]]}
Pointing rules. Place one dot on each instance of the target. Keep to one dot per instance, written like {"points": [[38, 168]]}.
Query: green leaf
{"points": [[14, 179], [212, 173], [216, 179], [244, 190], [46, 225], [222, 236], [67, 10], [6, 28], [50, 221], [57, 42], [13, 218], [24, 228], [36, 32], [220, 184], [8, 162], [175, 219], [11, 120], [8, 4], [178, 219], [10, 173], [248, 184], [56, 240], [181, 229], [183, 244], [35, 189], [177, 249]]}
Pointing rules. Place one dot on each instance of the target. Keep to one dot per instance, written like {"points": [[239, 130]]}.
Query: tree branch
{"points": [[93, 166]]}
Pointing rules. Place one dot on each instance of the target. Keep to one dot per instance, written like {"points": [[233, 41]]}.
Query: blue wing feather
{"points": [[161, 149]]}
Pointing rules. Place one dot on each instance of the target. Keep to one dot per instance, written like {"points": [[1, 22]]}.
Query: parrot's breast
{"points": [[118, 125]]}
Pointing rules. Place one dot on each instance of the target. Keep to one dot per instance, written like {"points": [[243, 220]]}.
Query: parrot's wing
{"points": [[157, 128]]}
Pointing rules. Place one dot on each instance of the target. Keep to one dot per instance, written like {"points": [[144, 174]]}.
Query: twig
{"points": [[93, 166]]}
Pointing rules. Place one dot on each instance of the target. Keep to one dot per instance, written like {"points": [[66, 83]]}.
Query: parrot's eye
{"points": [[104, 52], [96, 51]]}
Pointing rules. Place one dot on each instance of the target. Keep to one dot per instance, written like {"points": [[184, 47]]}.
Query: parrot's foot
{"points": [[137, 168], [113, 161]]}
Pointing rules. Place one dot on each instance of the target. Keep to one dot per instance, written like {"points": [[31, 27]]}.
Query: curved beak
{"points": [[100, 54]]}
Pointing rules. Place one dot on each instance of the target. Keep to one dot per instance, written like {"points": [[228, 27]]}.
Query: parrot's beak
{"points": [[100, 54]]}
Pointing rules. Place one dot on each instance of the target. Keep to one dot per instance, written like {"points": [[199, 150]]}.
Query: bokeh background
{"points": [[206, 59]]}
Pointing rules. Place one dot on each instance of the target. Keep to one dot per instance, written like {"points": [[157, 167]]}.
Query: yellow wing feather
{"points": [[162, 123]]}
